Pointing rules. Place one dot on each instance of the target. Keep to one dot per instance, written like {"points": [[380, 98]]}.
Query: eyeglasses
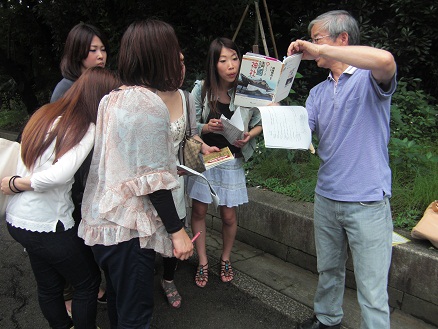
{"points": [[316, 40]]}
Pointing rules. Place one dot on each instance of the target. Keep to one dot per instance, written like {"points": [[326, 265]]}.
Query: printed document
{"points": [[286, 127]]}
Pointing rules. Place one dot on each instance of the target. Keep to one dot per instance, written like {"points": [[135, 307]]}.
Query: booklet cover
{"points": [[216, 158], [263, 80]]}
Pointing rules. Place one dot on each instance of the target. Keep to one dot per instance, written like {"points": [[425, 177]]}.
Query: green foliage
{"points": [[13, 120], [413, 116], [413, 156], [412, 194], [407, 219], [293, 172]]}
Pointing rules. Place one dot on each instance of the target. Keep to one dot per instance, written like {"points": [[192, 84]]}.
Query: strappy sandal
{"points": [[227, 273], [173, 297], [201, 277]]}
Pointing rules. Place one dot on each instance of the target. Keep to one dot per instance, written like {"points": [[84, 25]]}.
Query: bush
{"points": [[13, 116], [413, 115]]}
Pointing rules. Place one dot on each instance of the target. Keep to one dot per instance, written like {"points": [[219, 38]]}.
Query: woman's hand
{"points": [[206, 149], [181, 172], [182, 245], [5, 186], [274, 104], [19, 184], [254, 132], [242, 142], [214, 125]]}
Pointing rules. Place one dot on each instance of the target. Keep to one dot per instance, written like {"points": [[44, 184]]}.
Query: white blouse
{"points": [[50, 201]]}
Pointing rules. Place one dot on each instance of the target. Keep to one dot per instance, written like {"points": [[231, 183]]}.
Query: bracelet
{"points": [[12, 184]]}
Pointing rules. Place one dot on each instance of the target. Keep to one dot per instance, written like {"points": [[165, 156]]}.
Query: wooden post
{"points": [[258, 27], [262, 32], [240, 23], [270, 29]]}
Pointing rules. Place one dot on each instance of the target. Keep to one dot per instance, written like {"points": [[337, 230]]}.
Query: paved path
{"points": [[266, 293]]}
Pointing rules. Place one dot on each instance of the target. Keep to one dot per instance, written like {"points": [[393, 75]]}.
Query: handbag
{"points": [[191, 148], [427, 227], [9, 153]]}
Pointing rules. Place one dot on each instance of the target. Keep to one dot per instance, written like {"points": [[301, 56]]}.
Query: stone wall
{"points": [[273, 223]]}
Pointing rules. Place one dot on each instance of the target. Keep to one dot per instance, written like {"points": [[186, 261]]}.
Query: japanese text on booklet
{"points": [[264, 80]]}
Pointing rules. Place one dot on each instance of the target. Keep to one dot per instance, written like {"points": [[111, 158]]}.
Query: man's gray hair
{"points": [[337, 21]]}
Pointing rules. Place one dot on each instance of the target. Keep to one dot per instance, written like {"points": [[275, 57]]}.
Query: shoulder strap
{"points": [[187, 96]]}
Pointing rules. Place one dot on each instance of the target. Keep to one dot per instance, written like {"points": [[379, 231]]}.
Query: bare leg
{"points": [[229, 230], [199, 211]]}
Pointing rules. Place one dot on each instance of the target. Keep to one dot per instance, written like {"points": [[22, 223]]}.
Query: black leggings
{"points": [[169, 266]]}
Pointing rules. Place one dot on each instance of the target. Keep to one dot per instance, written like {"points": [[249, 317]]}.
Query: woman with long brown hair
{"points": [[86, 46], [55, 142], [214, 97]]}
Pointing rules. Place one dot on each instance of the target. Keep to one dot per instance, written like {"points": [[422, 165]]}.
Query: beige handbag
{"points": [[9, 152], [191, 147], [427, 227]]}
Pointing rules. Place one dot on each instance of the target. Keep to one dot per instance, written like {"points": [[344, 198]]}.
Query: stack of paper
{"points": [[286, 127]]}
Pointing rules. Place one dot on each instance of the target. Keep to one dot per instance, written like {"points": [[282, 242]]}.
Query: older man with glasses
{"points": [[349, 113]]}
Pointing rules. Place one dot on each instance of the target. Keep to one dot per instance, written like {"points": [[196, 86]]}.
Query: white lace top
{"points": [[178, 130], [133, 157]]}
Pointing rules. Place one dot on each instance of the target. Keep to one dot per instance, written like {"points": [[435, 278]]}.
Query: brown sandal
{"points": [[227, 273], [201, 277]]}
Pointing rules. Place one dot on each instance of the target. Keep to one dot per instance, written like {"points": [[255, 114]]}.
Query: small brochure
{"points": [[263, 80], [190, 171], [216, 158], [233, 128], [286, 127]]}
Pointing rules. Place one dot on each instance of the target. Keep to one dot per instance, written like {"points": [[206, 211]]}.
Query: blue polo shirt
{"points": [[351, 120]]}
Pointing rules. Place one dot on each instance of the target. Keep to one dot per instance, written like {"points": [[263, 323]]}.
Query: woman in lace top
{"points": [[128, 212]]}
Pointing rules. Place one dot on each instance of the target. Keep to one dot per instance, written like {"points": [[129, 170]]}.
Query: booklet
{"points": [[216, 158], [398, 239], [286, 127], [263, 80], [190, 171], [233, 128]]}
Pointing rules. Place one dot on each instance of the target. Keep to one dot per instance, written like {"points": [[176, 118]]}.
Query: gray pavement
{"points": [[266, 293]]}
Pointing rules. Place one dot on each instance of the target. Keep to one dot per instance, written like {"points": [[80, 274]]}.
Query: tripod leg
{"points": [[240, 23], [262, 32], [270, 28]]}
